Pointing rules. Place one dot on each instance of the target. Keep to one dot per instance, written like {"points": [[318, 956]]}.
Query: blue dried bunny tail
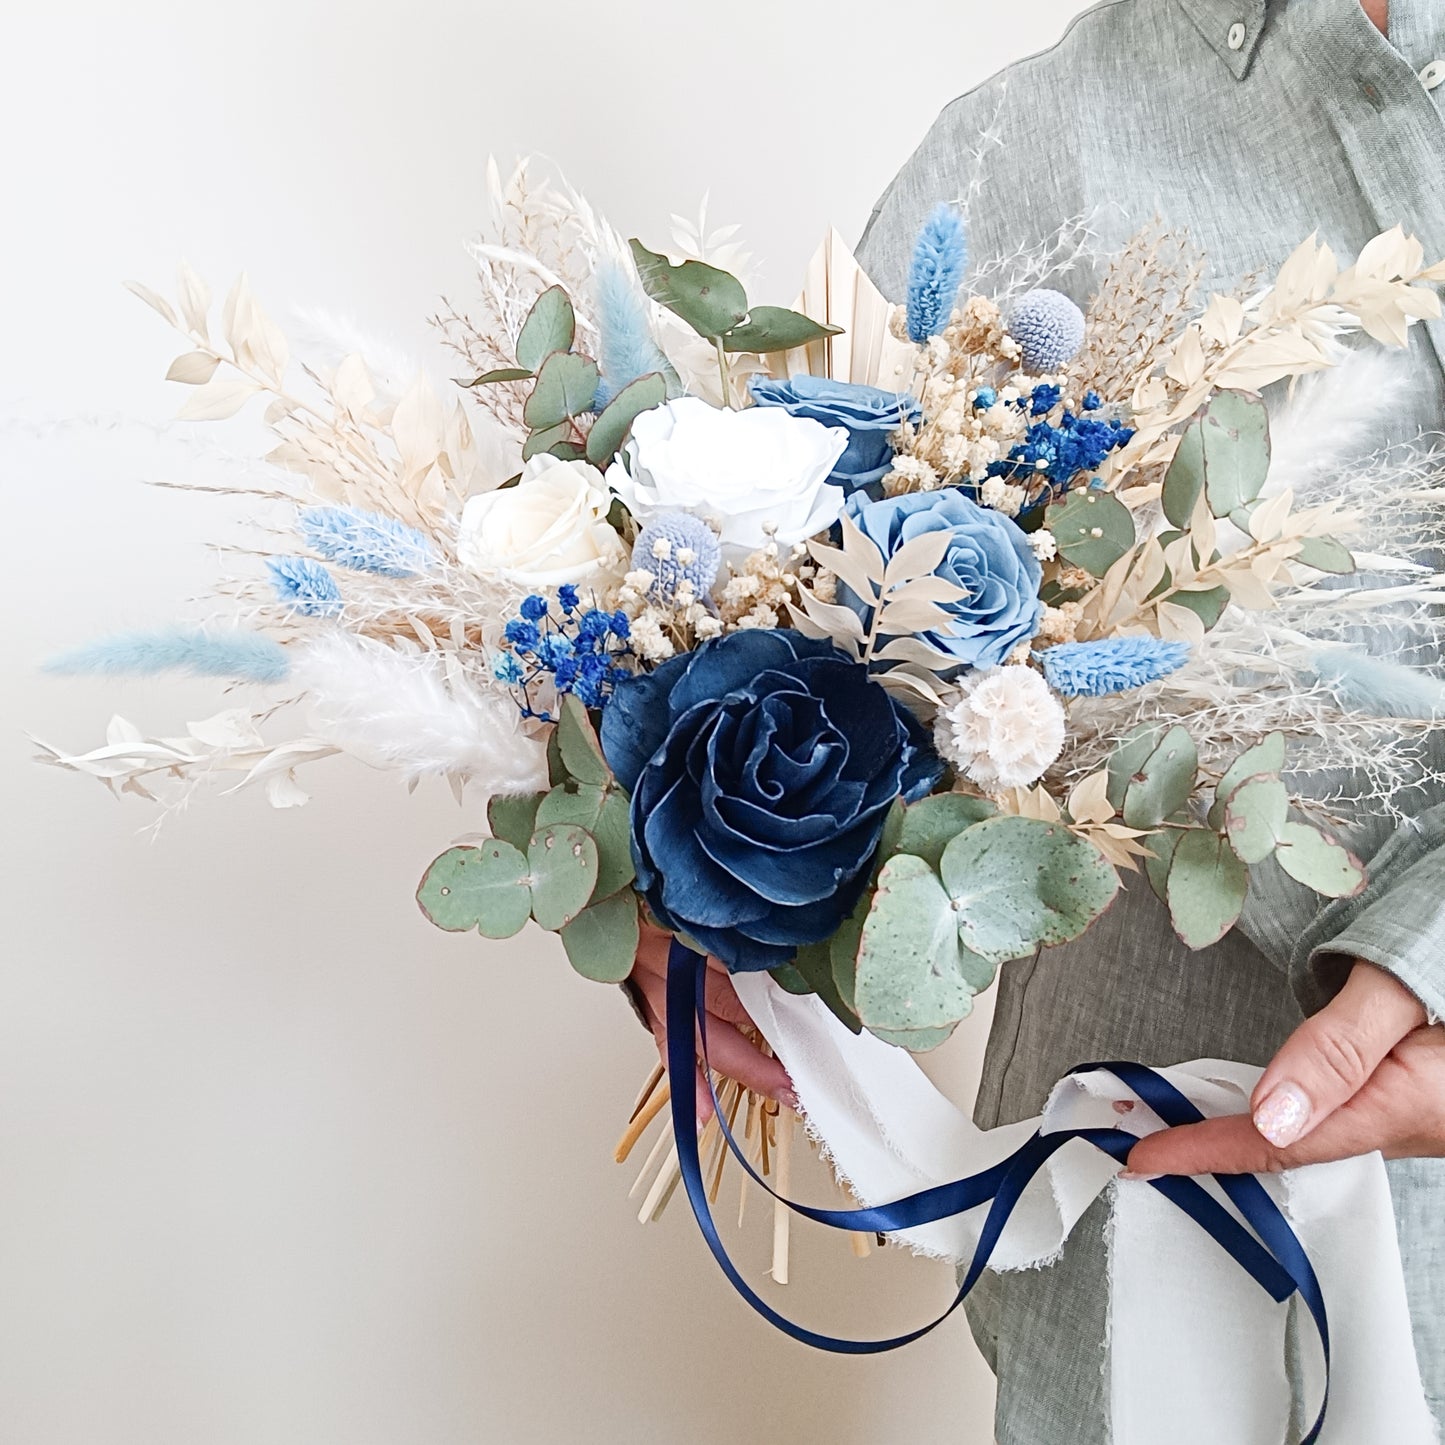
{"points": [[365, 541], [626, 348], [1113, 664], [940, 261], [1362, 683], [305, 586], [244, 656]]}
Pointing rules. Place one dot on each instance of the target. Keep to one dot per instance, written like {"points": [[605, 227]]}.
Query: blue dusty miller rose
{"points": [[988, 556], [755, 475], [869, 415], [761, 768]]}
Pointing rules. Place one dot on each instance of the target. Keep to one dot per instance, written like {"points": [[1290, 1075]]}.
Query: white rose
{"points": [[549, 529], [1004, 730], [753, 474]]}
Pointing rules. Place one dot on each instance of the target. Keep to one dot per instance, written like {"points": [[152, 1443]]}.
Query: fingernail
{"points": [[1284, 1115], [788, 1099], [1136, 1178]]}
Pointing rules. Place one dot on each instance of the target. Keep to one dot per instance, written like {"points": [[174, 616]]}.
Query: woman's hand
{"points": [[1364, 1074], [730, 1051]]}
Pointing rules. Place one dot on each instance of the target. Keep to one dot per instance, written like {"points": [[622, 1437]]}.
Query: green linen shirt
{"points": [[1252, 124]]}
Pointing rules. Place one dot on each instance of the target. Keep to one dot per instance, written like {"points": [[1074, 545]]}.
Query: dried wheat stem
{"points": [[782, 1215], [660, 1146], [644, 1116]]}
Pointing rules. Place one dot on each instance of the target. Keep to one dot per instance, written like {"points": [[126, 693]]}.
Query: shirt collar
{"points": [[1232, 27]]}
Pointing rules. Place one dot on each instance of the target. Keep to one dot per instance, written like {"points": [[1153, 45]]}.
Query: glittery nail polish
{"points": [[1284, 1115]]}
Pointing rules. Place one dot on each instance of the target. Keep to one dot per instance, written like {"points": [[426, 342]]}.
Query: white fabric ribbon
{"points": [[1196, 1350]]}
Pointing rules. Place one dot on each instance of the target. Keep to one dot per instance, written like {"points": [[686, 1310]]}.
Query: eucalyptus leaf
{"points": [[1163, 782], [557, 773], [603, 812], [1207, 886], [1128, 757], [566, 387], [562, 866], [1161, 847], [927, 827], [1235, 434], [843, 952], [484, 888], [1254, 818], [916, 1041], [908, 974], [540, 442], [551, 326], [1184, 481], [601, 942], [1326, 554], [514, 819], [1264, 758], [610, 429], [1093, 529], [1207, 604], [1019, 883], [711, 301], [581, 751], [1320, 861], [774, 328], [500, 373], [814, 965], [790, 980]]}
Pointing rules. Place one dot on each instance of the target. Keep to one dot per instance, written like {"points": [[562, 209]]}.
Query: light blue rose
{"points": [[869, 415], [989, 557]]}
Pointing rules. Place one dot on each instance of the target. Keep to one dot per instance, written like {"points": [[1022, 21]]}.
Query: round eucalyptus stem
{"points": [[722, 367]]}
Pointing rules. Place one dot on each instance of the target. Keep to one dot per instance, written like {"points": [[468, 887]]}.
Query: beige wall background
{"points": [[280, 1164]]}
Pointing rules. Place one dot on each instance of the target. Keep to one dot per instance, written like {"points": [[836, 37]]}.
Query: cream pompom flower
{"points": [[1004, 729]]}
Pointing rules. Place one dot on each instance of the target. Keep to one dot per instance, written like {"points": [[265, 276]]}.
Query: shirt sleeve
{"points": [[1397, 922]]}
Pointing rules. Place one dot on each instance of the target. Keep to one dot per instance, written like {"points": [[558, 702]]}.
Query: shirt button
{"points": [[1433, 74], [1236, 35]]}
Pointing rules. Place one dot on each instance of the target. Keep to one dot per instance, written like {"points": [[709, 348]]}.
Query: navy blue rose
{"points": [[761, 768], [869, 416], [988, 556]]}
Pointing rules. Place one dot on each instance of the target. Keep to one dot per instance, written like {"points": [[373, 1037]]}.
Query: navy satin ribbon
{"points": [[1272, 1255]]}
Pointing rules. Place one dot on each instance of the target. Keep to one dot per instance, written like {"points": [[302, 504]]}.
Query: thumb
{"points": [[1331, 1056]]}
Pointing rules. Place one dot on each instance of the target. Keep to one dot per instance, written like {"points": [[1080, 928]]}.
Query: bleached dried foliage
{"points": [[1353, 751], [1290, 329], [698, 240], [1145, 296], [339, 440], [1075, 250], [169, 769], [902, 598]]}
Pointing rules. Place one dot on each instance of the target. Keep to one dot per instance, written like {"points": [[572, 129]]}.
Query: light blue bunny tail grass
{"points": [[365, 541], [304, 586], [940, 261], [626, 347], [241, 656], [1362, 683], [1049, 329], [1114, 664]]}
